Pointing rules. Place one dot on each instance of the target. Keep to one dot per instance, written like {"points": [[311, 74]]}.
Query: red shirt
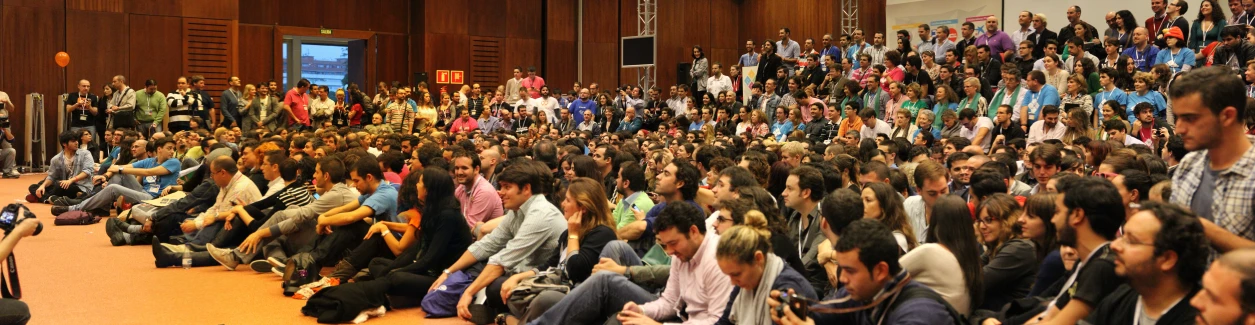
{"points": [[297, 101]]}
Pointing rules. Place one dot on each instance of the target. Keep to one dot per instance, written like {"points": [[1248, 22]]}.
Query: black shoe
{"points": [[141, 239], [62, 200], [52, 199], [163, 256], [116, 229], [57, 210]]}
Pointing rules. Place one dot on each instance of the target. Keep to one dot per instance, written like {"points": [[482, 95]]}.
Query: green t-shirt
{"points": [[623, 211]]}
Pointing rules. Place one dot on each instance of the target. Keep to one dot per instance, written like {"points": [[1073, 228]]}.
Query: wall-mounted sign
{"points": [[442, 76], [457, 77]]}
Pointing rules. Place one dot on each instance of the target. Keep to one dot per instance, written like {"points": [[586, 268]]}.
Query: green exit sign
{"points": [[325, 31]]}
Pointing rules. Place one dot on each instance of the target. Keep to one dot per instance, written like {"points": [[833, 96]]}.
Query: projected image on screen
{"points": [[637, 51]]}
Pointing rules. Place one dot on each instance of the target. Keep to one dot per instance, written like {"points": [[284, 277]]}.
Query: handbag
{"points": [[527, 289], [124, 119]]}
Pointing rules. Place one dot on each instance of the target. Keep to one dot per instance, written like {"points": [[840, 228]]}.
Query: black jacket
{"points": [[1235, 56], [767, 66], [1120, 306], [1039, 39]]}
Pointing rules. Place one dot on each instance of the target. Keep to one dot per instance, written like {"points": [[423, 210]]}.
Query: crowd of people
{"points": [[1018, 177]]}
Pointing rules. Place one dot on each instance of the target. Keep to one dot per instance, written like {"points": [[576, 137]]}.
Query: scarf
{"points": [[750, 306]]}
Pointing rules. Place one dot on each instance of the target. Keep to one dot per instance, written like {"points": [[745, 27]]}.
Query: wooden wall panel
{"points": [[762, 19], [418, 41], [522, 53], [601, 42], [256, 52], [874, 9], [601, 21], [392, 62], [96, 58], [392, 16], [151, 37], [154, 7], [601, 64], [35, 3], [560, 52], [523, 17], [486, 22], [95, 5], [302, 13], [211, 9], [339, 14], [450, 53], [261, 12], [446, 17], [30, 36]]}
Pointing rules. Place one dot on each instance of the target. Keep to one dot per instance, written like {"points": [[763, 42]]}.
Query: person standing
{"points": [[532, 83], [150, 108], [123, 101], [296, 103], [512, 86], [699, 71], [181, 103], [204, 105], [788, 50], [81, 108], [231, 102]]}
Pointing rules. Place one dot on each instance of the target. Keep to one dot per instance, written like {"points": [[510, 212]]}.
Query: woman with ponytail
{"points": [[745, 255]]}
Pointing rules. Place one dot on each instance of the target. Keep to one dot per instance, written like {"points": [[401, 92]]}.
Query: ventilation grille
{"points": [[485, 62], [208, 44]]}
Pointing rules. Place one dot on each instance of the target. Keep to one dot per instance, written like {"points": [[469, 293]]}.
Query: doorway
{"points": [[324, 61]]}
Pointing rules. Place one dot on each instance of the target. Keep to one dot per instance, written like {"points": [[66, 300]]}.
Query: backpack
{"points": [[444, 301], [71, 218]]}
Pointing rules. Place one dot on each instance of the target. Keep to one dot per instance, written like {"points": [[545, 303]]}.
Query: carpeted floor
{"points": [[71, 275]]}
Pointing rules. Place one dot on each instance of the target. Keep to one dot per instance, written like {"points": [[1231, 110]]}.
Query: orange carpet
{"points": [[71, 275]]}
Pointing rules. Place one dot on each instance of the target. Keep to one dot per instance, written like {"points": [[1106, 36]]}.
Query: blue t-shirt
{"points": [[154, 184], [1047, 96], [578, 107], [383, 202]]}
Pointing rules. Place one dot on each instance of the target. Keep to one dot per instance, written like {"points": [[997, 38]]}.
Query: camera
{"points": [[798, 304], [4, 122], [14, 214]]}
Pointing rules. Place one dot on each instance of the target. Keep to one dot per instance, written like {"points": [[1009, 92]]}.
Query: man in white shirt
{"points": [[1117, 130], [1048, 127], [976, 128], [871, 125], [546, 103], [1026, 28], [718, 83]]}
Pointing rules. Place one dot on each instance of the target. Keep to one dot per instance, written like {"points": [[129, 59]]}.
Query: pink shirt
{"points": [[699, 283], [481, 203], [461, 125], [297, 101], [533, 85]]}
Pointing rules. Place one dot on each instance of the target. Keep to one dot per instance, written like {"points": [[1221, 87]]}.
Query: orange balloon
{"points": [[63, 59]]}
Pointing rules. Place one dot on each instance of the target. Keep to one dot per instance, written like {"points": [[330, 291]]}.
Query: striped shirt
{"points": [[295, 194], [180, 106]]}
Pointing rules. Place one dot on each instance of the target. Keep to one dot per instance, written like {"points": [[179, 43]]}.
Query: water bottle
{"points": [[187, 260]]}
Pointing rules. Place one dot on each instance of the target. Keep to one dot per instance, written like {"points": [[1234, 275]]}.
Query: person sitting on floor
{"points": [[69, 173], [156, 174], [243, 220]]}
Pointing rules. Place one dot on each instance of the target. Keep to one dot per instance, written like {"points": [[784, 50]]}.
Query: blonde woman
{"points": [[972, 98], [1077, 125], [589, 229], [746, 255], [250, 94]]}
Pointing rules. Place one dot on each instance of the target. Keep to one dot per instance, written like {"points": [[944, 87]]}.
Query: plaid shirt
{"points": [[1233, 207]]}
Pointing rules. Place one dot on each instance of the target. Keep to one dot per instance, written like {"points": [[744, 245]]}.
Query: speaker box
{"points": [[682, 73]]}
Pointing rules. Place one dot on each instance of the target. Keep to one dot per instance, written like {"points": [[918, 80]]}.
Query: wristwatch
{"points": [[445, 271], [120, 169]]}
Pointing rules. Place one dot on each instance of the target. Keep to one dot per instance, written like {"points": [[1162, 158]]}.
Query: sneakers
{"points": [[175, 248], [224, 256], [57, 210], [276, 271], [12, 174], [310, 289], [260, 266], [61, 200], [116, 229], [276, 263]]}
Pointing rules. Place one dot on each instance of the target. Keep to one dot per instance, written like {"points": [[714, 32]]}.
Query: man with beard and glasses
{"points": [[1162, 254]]}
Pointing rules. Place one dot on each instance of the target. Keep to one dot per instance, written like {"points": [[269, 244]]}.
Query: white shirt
{"points": [[547, 104], [718, 84], [1018, 36], [321, 108], [1132, 140], [870, 133], [1036, 134], [981, 123]]}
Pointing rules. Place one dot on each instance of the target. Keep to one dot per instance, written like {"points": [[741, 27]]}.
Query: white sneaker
{"points": [[276, 263]]}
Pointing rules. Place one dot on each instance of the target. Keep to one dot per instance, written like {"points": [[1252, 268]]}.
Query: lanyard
{"points": [[1072, 279], [1137, 312]]}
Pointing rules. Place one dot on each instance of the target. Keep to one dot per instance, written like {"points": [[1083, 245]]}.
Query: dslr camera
{"points": [[4, 122], [14, 214]]}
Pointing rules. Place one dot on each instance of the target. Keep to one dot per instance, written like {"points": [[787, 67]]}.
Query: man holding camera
{"points": [[22, 225]]}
